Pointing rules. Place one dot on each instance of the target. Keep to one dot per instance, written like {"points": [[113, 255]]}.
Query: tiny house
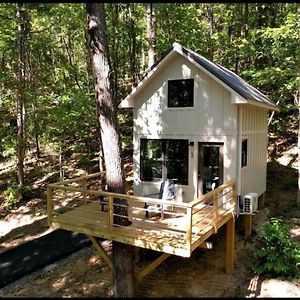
{"points": [[199, 124]]}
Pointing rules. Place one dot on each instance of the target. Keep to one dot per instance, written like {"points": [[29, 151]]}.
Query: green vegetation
{"points": [[12, 195], [258, 41], [276, 254]]}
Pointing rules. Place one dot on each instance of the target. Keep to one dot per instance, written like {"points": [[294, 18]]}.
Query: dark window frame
{"points": [[175, 84], [244, 153], [164, 160]]}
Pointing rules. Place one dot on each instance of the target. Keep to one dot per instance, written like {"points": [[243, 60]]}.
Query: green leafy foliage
{"points": [[258, 41], [277, 254], [12, 195]]}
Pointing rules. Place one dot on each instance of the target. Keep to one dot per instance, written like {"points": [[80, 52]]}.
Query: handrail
{"points": [[84, 177], [211, 193], [118, 195], [189, 208]]}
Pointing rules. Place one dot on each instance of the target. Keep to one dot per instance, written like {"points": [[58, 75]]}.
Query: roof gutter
{"points": [[262, 105]]}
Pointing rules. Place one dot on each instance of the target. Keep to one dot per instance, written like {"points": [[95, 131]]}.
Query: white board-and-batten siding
{"points": [[254, 129], [212, 119]]}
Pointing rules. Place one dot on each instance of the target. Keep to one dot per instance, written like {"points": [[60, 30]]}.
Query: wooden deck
{"points": [[185, 226]]}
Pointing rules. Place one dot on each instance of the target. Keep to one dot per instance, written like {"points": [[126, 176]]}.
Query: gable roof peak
{"points": [[177, 45], [225, 76]]}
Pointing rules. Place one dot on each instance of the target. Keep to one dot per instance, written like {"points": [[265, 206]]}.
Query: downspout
{"points": [[239, 155]]}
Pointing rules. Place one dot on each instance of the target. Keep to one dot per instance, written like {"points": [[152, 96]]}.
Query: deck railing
{"points": [[188, 221]]}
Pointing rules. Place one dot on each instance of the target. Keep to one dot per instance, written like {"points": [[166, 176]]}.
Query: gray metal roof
{"points": [[231, 79]]}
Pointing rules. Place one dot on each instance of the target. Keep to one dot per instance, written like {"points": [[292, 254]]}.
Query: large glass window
{"points": [[164, 159], [181, 93]]}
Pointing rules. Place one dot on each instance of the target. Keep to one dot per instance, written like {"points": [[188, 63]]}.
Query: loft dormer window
{"points": [[181, 93]]}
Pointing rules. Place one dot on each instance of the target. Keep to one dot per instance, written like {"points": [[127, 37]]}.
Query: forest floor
{"points": [[84, 274]]}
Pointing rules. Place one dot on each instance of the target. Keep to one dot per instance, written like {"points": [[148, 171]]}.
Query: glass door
{"points": [[210, 167]]}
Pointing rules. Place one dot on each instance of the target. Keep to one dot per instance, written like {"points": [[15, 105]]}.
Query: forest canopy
{"points": [[46, 78]]}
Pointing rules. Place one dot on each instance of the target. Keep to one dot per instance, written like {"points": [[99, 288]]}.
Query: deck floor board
{"points": [[167, 235]]}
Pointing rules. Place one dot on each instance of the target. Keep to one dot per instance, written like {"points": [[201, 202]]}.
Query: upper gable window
{"points": [[181, 93]]}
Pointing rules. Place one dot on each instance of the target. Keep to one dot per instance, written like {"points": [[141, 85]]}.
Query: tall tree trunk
{"points": [[115, 46], [33, 88], [259, 61], [151, 36], [88, 65], [67, 46], [36, 129], [273, 14], [60, 162], [21, 105], [123, 254], [298, 105], [245, 27], [298, 102], [133, 64], [210, 14]]}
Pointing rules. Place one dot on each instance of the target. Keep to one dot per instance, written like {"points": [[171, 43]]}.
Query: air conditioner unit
{"points": [[249, 203]]}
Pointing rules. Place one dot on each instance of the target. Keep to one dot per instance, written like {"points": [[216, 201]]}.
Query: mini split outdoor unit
{"points": [[249, 204]]}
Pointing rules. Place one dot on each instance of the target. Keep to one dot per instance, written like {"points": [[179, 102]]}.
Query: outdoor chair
{"points": [[166, 192]]}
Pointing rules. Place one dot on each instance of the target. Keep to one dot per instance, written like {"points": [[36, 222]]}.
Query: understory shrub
{"points": [[12, 195], [277, 254], [290, 185]]}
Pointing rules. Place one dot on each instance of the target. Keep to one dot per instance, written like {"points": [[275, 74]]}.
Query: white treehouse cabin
{"points": [[200, 141], [199, 124]]}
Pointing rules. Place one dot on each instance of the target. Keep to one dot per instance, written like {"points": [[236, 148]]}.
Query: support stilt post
{"points": [[230, 236], [248, 225]]}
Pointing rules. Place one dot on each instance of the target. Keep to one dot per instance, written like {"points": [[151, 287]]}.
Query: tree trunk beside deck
{"points": [[20, 103], [123, 270]]}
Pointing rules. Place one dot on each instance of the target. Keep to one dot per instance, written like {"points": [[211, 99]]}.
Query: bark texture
{"points": [[123, 270], [20, 103], [151, 36]]}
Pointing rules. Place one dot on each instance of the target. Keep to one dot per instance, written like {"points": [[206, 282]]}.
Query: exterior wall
{"points": [[212, 119], [255, 129]]}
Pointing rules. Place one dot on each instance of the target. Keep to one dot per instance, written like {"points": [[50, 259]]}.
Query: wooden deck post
{"points": [[216, 211], [189, 225], [248, 225], [230, 236], [110, 212]]}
